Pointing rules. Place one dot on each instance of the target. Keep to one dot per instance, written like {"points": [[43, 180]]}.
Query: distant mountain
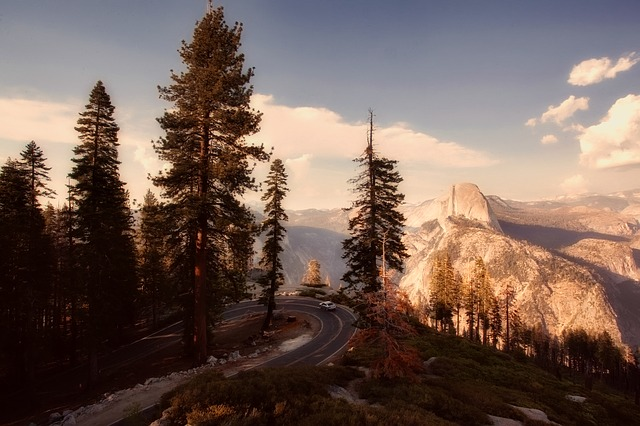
{"points": [[573, 261]]}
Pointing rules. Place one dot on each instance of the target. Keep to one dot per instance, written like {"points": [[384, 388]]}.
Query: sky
{"points": [[529, 100]]}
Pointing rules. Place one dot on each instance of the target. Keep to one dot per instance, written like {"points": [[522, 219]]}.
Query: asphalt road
{"points": [[336, 328]]}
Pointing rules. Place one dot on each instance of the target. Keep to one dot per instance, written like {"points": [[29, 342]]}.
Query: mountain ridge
{"points": [[573, 261]]}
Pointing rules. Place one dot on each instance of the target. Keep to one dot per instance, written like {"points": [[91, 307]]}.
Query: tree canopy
{"points": [[209, 159], [376, 226]]}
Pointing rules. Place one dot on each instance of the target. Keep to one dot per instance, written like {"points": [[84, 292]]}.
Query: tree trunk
{"points": [[271, 305], [200, 281], [200, 294]]}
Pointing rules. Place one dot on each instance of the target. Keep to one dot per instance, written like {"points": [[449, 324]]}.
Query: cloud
{"points": [[322, 134], [558, 114], [573, 185], [549, 139], [23, 120], [298, 167], [565, 110], [615, 141], [595, 70], [316, 144]]}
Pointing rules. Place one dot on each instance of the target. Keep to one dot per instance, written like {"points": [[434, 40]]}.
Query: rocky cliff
{"points": [[572, 262], [551, 290]]}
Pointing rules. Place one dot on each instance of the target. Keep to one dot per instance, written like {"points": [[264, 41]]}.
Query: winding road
{"points": [[336, 328]]}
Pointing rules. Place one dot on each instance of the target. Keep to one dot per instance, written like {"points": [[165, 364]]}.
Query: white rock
{"points": [[576, 398]]}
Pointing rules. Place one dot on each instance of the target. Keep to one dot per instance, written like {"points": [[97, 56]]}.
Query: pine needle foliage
{"points": [[376, 226], [276, 190], [210, 167], [104, 225]]}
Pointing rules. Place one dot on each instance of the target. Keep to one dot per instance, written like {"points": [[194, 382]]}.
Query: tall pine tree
{"points": [[376, 228], [104, 220], [210, 159], [153, 262], [276, 184]]}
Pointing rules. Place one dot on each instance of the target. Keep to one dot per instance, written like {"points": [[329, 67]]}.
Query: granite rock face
{"points": [[573, 262], [570, 265]]}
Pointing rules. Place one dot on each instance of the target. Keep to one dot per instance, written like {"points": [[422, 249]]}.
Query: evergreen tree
{"points": [[153, 268], [376, 226], [34, 163], [106, 246], [15, 279], [312, 277], [495, 326], [276, 184], [484, 298], [25, 261], [470, 302], [509, 295], [209, 157], [444, 291]]}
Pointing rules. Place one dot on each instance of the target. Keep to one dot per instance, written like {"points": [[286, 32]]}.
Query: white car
{"points": [[328, 306]]}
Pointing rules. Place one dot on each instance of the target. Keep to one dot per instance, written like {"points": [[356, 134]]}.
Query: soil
{"points": [[242, 335]]}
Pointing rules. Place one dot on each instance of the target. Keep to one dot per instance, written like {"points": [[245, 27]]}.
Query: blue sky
{"points": [[527, 99]]}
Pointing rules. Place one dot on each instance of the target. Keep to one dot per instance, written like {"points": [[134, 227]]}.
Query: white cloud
{"points": [[400, 143], [595, 70], [321, 134], [573, 185], [298, 167], [558, 114], [549, 139], [316, 144], [23, 120], [615, 141], [565, 110]]}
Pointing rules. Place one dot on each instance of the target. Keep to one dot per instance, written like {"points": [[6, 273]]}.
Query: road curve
{"points": [[336, 328]]}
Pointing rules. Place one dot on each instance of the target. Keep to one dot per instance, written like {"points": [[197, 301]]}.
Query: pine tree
{"points": [[276, 184], [377, 225], [25, 260], [495, 325], [209, 157], [153, 268], [445, 291], [484, 299], [105, 229], [39, 247], [15, 283], [374, 247], [312, 276], [34, 163], [509, 295]]}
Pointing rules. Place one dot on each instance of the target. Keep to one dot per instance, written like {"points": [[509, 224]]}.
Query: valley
{"points": [[572, 262]]}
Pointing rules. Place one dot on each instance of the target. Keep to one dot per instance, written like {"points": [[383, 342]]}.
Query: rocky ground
{"points": [[237, 345]]}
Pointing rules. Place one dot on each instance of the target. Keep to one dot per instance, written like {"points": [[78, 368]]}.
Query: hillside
{"points": [[462, 384], [573, 261]]}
